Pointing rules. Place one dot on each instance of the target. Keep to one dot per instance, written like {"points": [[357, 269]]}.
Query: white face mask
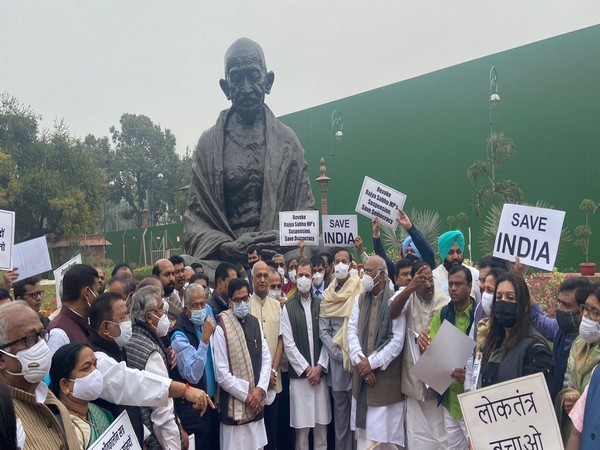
{"points": [[303, 284], [368, 282], [274, 294], [90, 387], [353, 272], [163, 325], [341, 270], [126, 333], [292, 276], [486, 302], [35, 362], [317, 279], [281, 271], [589, 330]]}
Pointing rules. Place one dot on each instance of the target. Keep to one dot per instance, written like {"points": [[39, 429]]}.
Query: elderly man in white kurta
{"points": [[268, 312], [375, 343], [242, 368], [309, 396]]}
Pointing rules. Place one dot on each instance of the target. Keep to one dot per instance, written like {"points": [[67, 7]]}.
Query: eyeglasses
{"points": [[592, 313], [239, 300], [371, 271], [28, 341], [35, 294]]}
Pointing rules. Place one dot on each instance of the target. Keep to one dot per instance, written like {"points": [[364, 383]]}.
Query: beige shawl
{"points": [[240, 364], [339, 304]]}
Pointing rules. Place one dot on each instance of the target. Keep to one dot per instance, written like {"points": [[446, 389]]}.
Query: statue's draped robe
{"points": [[286, 186]]}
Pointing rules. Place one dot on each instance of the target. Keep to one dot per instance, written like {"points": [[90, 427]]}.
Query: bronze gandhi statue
{"points": [[247, 168]]}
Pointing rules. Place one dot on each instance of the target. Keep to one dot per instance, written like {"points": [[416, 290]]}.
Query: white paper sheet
{"points": [[516, 414], [449, 350], [531, 233], [7, 239], [376, 200], [59, 274], [119, 435], [415, 351], [296, 225], [31, 257]]}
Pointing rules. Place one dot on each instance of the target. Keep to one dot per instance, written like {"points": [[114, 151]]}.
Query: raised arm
{"points": [[380, 251]]}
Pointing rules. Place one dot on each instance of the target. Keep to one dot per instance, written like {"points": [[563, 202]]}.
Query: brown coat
{"points": [[41, 428]]}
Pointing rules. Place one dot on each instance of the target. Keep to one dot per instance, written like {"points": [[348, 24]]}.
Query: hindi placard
{"points": [[296, 225], [516, 414], [378, 201], [339, 231], [7, 238], [32, 257], [531, 233], [119, 436], [59, 274]]}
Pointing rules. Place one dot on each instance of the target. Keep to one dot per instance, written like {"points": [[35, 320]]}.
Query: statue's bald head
{"points": [[247, 80], [244, 49]]}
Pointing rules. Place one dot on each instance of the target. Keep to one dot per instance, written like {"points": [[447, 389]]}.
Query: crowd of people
{"points": [[286, 353]]}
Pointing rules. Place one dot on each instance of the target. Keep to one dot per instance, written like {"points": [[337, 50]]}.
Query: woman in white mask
{"points": [[76, 382], [583, 357], [482, 319], [146, 351], [291, 270]]}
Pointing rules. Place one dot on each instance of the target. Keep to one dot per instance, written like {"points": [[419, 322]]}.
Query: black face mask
{"points": [[411, 257], [567, 321], [505, 313]]}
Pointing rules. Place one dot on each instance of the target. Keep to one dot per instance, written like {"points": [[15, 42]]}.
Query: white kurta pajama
{"points": [[252, 435], [309, 405], [385, 424]]}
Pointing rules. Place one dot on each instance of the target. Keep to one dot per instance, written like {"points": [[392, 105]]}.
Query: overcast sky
{"points": [[91, 61]]}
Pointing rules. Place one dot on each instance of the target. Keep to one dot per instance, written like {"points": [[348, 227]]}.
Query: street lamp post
{"points": [[494, 97], [337, 124], [150, 196], [323, 181]]}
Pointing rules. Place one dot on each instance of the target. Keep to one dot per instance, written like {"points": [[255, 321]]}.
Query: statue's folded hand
{"points": [[266, 239]]}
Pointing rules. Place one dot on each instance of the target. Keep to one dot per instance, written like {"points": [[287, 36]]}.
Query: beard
{"points": [[449, 265], [169, 288]]}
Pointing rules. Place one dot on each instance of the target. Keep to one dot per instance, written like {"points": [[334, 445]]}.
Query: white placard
{"points": [[531, 233], [7, 238], [192, 442], [515, 414], [379, 201], [296, 225], [31, 257], [449, 350], [119, 436], [339, 231], [59, 274]]}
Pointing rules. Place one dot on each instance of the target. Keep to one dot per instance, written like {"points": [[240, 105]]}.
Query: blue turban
{"points": [[409, 241], [447, 239]]}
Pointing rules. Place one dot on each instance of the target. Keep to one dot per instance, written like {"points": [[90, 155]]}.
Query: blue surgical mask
{"points": [[198, 317], [240, 311]]}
